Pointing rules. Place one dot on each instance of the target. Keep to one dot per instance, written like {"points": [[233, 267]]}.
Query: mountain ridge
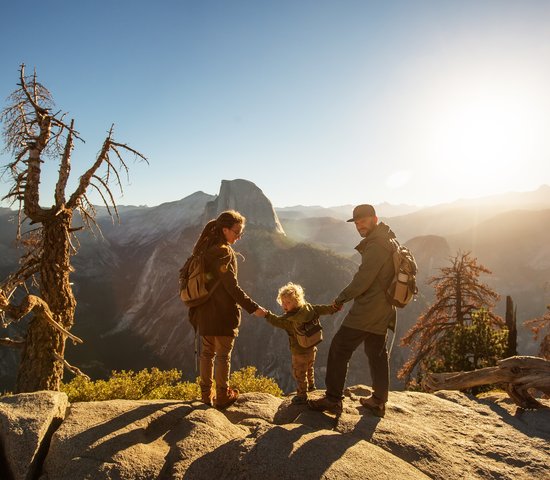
{"points": [[125, 283]]}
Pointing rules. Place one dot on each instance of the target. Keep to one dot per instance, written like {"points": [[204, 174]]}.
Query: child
{"points": [[298, 311]]}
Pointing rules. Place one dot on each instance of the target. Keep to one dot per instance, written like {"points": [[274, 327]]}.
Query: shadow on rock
{"points": [[300, 452]]}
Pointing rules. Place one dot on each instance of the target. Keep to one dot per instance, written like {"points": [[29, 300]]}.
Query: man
{"points": [[368, 319]]}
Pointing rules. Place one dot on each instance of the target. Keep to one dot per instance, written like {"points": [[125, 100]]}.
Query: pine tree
{"points": [[459, 331]]}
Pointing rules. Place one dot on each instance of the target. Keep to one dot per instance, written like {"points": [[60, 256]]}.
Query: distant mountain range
{"points": [[130, 316], [342, 212]]}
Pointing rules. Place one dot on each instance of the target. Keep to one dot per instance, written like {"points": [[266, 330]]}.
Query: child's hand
{"points": [[337, 306]]}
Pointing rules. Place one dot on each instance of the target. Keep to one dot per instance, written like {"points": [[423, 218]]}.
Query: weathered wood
{"points": [[519, 374], [33, 133]]}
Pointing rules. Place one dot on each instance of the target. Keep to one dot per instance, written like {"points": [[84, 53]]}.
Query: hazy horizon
{"points": [[311, 205]]}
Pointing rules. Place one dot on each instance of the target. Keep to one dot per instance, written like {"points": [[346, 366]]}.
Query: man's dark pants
{"points": [[342, 347]]}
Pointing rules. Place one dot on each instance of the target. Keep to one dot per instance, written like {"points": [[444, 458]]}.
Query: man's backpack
{"points": [[193, 277], [402, 288]]}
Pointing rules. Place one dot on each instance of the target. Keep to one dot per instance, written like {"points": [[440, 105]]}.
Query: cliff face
{"points": [[448, 436], [125, 283], [248, 199], [151, 245]]}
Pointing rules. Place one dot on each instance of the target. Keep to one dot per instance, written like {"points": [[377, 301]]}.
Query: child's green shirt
{"points": [[290, 320]]}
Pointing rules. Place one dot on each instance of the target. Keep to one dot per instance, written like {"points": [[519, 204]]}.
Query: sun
{"points": [[484, 138]]}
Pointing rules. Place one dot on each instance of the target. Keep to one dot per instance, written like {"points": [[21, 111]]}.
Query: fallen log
{"points": [[518, 374]]}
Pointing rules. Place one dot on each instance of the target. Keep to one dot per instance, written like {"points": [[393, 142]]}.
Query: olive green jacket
{"points": [[292, 319], [371, 311]]}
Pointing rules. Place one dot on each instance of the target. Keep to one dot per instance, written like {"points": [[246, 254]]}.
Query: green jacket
{"points": [[290, 320], [371, 311]]}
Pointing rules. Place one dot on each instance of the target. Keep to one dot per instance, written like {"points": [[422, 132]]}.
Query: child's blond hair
{"points": [[292, 290]]}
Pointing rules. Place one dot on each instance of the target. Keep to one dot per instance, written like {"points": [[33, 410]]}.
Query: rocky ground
{"points": [[444, 436]]}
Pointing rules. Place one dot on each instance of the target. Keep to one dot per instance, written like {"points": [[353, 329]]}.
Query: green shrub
{"points": [[246, 380], [143, 385], [157, 384]]}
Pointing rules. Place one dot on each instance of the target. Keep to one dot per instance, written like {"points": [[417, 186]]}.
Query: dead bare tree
{"points": [[41, 286], [520, 375]]}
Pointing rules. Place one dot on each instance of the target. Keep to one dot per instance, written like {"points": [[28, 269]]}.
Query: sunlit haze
{"points": [[316, 102]]}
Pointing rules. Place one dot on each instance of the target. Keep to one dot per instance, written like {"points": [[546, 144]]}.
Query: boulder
{"points": [[299, 452], [461, 438], [134, 439], [254, 406], [27, 422], [448, 436]]}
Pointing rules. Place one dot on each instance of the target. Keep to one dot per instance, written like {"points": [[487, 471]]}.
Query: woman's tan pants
{"points": [[215, 361]]}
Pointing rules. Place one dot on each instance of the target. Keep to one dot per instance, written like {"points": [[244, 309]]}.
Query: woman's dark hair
{"points": [[212, 233]]}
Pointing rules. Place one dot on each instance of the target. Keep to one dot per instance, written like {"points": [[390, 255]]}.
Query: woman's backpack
{"points": [[193, 277]]}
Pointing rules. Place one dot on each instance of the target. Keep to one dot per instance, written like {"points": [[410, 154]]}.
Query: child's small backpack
{"points": [[310, 333], [402, 288], [193, 277]]}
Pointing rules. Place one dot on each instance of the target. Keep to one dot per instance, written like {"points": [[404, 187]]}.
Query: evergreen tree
{"points": [[459, 331], [469, 346]]}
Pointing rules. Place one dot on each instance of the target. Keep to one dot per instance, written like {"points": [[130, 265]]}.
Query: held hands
{"points": [[261, 312], [337, 306]]}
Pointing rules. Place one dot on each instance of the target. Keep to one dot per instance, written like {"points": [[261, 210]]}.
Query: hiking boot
{"points": [[376, 407], [299, 400], [226, 397], [208, 398], [325, 404]]}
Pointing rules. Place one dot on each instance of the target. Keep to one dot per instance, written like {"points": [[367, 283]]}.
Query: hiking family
{"points": [[211, 288]]}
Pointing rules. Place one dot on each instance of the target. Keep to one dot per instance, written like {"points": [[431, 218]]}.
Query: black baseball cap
{"points": [[362, 211]]}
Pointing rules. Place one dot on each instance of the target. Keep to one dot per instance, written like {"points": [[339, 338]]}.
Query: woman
{"points": [[219, 317]]}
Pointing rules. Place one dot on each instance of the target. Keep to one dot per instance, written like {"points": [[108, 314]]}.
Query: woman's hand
{"points": [[260, 312]]}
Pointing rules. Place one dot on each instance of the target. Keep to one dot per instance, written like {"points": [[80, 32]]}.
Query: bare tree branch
{"points": [[30, 303], [108, 192], [86, 177], [64, 169], [12, 342], [71, 368]]}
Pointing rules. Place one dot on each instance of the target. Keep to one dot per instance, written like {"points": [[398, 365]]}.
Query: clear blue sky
{"points": [[317, 102]]}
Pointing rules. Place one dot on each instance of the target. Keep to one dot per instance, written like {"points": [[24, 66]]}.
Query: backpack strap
{"points": [[391, 247]]}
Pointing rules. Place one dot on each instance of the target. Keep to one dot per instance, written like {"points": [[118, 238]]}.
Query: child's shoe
{"points": [[299, 400]]}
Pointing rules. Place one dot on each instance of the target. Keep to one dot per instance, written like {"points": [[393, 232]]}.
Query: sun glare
{"points": [[398, 179], [485, 137]]}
